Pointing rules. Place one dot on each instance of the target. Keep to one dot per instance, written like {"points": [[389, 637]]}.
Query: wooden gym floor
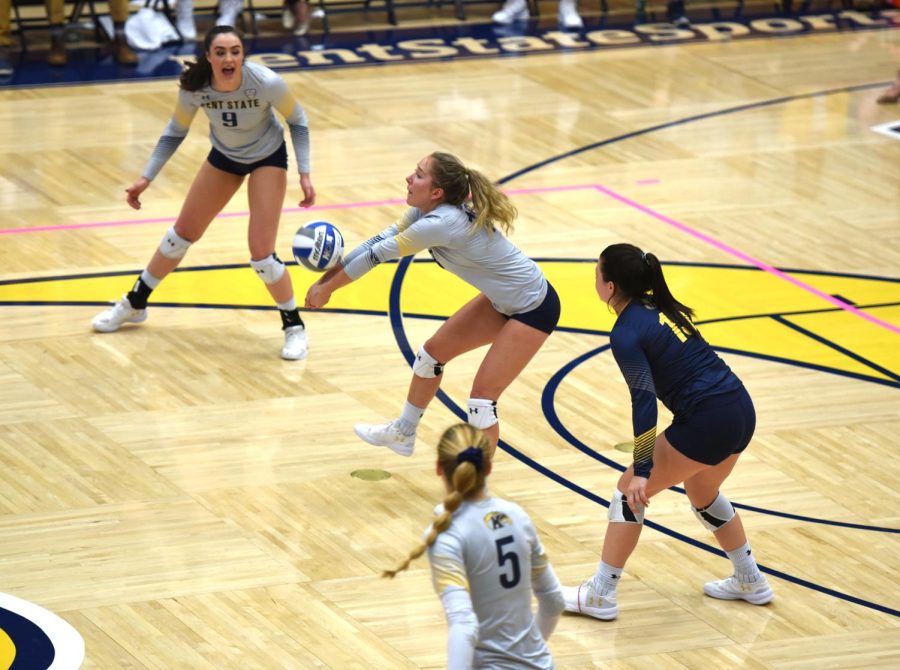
{"points": [[185, 499]]}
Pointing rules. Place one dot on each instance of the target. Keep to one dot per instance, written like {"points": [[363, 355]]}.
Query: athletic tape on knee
{"points": [[426, 366], [620, 512], [715, 515], [173, 245], [270, 269], [482, 413]]}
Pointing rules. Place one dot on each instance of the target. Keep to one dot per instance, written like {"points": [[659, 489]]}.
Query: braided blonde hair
{"points": [[491, 206], [464, 479]]}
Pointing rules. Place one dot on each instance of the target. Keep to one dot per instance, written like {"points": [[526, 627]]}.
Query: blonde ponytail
{"points": [[463, 452], [492, 207]]}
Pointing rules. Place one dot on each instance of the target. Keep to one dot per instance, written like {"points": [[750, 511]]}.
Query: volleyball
{"points": [[318, 245]]}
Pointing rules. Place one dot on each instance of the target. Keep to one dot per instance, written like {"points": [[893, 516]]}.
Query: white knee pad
{"points": [[620, 512], [426, 366], [270, 269], [715, 515], [173, 245], [482, 413]]}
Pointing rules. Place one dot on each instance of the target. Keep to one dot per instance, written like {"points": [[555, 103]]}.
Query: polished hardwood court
{"points": [[186, 499]]}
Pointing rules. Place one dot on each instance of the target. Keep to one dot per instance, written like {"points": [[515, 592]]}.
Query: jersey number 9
{"points": [[229, 119]]}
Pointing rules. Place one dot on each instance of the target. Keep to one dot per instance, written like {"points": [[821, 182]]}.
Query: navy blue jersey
{"points": [[659, 360]]}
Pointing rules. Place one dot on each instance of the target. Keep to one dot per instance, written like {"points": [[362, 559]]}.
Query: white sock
{"points": [[409, 418], [287, 306], [607, 578], [745, 568], [149, 279]]}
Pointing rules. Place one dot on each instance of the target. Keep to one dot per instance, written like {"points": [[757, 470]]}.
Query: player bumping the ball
{"points": [[458, 215], [240, 100]]}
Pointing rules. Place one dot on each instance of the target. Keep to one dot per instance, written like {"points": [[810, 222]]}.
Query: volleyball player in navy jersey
{"points": [[662, 355]]}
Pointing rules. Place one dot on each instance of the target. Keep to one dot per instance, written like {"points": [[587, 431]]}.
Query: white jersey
{"points": [[487, 260], [242, 123], [491, 550]]}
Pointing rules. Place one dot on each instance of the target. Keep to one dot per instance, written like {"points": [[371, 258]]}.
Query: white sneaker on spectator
{"points": [[568, 15], [756, 593], [296, 345], [386, 435], [110, 320], [586, 599], [287, 18], [512, 11], [186, 25]]}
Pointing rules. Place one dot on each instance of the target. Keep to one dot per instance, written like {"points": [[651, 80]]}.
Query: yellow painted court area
{"points": [[748, 298], [7, 651]]}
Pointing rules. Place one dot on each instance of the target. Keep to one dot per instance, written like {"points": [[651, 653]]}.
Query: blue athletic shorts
{"points": [[545, 316], [219, 160], [714, 429]]}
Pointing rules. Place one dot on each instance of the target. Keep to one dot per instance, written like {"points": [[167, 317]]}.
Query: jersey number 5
{"points": [[229, 119], [508, 581]]}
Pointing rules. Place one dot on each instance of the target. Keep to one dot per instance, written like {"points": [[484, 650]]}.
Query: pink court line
{"points": [[522, 191], [721, 246], [231, 215], [646, 182]]}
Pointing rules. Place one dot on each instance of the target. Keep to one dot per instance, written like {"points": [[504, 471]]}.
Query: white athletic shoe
{"points": [[757, 593], [386, 435], [585, 599], [186, 27], [296, 345], [568, 15], [110, 320], [184, 20], [287, 18], [512, 11]]}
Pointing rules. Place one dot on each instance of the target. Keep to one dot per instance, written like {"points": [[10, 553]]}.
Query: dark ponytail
{"points": [[199, 75], [637, 274]]}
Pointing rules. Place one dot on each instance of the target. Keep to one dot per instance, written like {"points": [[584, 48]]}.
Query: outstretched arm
{"points": [[298, 127], [169, 141]]}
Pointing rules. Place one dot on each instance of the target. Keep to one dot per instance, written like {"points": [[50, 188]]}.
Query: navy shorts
{"points": [[545, 316], [715, 429], [219, 160]]}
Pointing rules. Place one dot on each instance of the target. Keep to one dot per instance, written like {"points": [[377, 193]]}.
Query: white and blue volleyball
{"points": [[318, 245]]}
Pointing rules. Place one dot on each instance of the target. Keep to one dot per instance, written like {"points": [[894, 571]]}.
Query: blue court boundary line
{"points": [[585, 331], [547, 259], [432, 317], [688, 119], [407, 352]]}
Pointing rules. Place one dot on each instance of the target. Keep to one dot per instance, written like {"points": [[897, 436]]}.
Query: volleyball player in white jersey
{"points": [[515, 312], [247, 139], [486, 561]]}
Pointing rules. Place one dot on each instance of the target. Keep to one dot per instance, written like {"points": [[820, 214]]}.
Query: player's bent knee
{"points": [[270, 269], [426, 366], [482, 413], [715, 515], [173, 245], [620, 512]]}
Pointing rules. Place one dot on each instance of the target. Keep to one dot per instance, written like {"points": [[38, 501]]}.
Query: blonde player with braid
{"points": [[486, 561], [515, 311]]}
